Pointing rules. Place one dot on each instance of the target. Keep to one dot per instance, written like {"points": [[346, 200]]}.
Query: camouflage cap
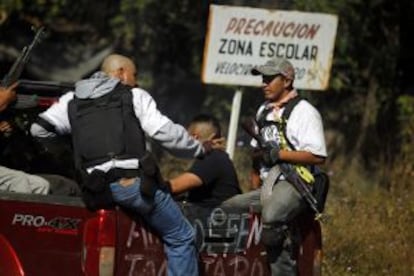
{"points": [[274, 67]]}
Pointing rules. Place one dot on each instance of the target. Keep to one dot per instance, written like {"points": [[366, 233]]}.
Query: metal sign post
{"points": [[234, 121]]}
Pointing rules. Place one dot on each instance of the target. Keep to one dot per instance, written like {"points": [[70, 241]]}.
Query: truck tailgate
{"points": [[45, 232]]}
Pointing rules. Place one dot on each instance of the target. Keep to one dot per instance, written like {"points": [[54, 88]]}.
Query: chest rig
{"points": [[280, 124]]}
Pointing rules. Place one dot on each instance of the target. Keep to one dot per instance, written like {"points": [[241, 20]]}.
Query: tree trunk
{"points": [[368, 117]]}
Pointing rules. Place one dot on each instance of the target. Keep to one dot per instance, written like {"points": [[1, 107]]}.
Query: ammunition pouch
{"points": [[151, 178], [320, 189], [96, 191], [319, 182]]}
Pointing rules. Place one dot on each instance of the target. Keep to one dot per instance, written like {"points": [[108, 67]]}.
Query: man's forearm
{"points": [[176, 140], [6, 97], [184, 182], [300, 157]]}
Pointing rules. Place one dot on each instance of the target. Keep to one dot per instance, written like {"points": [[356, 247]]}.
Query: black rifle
{"points": [[14, 74], [17, 68], [288, 171]]}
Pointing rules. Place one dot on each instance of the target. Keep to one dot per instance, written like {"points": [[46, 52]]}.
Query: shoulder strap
{"points": [[285, 116], [289, 107]]}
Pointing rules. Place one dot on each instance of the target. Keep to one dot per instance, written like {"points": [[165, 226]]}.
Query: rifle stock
{"points": [[17, 68]]}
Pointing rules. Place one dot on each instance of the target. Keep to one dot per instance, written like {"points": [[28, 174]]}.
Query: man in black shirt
{"points": [[210, 180]]}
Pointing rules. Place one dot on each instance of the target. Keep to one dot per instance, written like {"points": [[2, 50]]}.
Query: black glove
{"points": [[270, 153]]}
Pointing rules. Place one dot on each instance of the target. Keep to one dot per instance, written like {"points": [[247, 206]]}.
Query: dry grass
{"points": [[370, 232]]}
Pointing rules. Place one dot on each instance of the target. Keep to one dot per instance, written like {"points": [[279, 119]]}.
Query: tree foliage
{"points": [[364, 76], [167, 40]]}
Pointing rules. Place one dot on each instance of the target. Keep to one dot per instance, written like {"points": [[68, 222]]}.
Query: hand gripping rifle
{"points": [[17, 68], [288, 171]]}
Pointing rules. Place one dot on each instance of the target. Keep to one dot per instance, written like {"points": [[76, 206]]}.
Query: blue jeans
{"points": [[164, 215]]}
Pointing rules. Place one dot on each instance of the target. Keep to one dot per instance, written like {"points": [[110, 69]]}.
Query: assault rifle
{"points": [[288, 171], [17, 68]]}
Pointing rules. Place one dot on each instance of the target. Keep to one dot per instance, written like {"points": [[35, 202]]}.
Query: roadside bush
{"points": [[370, 232]]}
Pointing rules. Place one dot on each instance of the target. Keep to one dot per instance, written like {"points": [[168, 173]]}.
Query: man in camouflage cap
{"points": [[298, 141], [275, 67]]}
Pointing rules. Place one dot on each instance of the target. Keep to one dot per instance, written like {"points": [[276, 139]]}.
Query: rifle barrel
{"points": [[17, 68]]}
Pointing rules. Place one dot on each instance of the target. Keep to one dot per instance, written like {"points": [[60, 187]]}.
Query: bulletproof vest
{"points": [[105, 128]]}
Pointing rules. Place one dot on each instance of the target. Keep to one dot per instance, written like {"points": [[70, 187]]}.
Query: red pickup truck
{"points": [[50, 235], [44, 235]]}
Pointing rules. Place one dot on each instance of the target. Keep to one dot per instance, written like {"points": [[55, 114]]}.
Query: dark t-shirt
{"points": [[219, 177]]}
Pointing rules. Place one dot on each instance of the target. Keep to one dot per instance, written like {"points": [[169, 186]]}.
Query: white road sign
{"points": [[239, 38]]}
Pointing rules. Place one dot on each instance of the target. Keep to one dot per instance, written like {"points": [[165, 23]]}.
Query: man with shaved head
{"points": [[210, 180], [120, 67], [109, 118]]}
